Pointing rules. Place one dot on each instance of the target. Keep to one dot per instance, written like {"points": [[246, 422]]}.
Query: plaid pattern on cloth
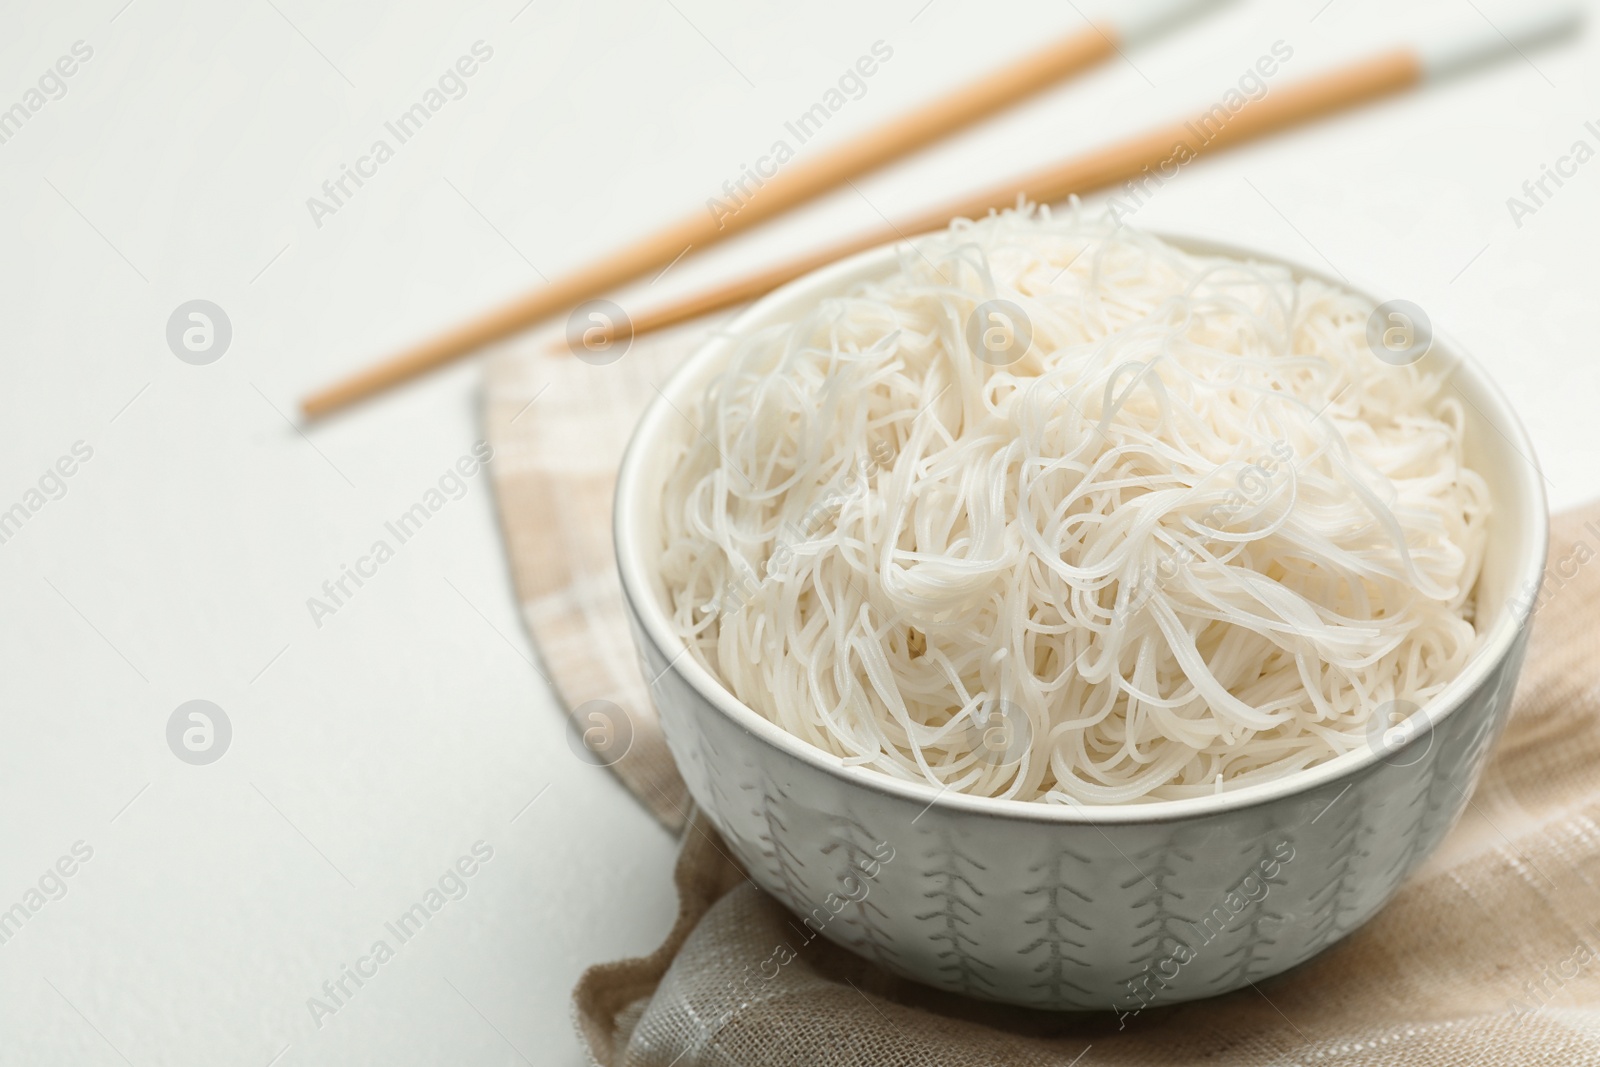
{"points": [[1490, 954]]}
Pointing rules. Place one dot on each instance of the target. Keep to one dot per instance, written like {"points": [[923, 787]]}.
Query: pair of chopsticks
{"points": [[1376, 76]]}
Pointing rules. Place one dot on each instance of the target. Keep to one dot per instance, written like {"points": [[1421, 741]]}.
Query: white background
{"points": [[369, 753]]}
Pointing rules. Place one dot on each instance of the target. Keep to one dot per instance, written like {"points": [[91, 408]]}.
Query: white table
{"points": [[371, 751]]}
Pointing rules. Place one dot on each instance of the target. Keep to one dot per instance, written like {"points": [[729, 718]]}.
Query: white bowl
{"points": [[1052, 906]]}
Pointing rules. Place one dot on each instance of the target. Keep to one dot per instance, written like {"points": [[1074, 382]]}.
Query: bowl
{"points": [[1066, 907]]}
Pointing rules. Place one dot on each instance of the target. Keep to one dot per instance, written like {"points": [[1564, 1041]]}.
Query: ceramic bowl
{"points": [[1061, 907]]}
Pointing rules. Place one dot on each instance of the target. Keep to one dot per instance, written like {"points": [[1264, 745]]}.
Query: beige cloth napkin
{"points": [[1490, 954]]}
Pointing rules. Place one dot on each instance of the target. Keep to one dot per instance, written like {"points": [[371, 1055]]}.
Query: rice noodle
{"points": [[1189, 541]]}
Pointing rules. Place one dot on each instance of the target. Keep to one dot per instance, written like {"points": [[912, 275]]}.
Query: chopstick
{"points": [[1347, 86], [1070, 55]]}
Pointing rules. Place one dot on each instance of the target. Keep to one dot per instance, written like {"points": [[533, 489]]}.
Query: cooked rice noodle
{"points": [[1191, 540]]}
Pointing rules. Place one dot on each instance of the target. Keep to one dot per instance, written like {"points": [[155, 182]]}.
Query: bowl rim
{"points": [[652, 621]]}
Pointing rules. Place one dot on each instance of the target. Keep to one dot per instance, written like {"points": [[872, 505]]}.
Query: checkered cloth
{"points": [[1489, 955]]}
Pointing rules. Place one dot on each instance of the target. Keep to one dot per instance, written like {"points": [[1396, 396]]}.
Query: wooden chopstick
{"points": [[1380, 75], [1301, 102], [803, 181]]}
